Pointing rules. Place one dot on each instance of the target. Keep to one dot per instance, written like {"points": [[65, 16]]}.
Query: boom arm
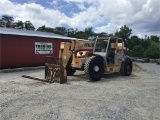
{"points": [[69, 47]]}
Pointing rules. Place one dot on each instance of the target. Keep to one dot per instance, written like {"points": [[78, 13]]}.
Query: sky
{"points": [[142, 16]]}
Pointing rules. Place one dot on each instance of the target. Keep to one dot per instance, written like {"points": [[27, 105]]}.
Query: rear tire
{"points": [[126, 67], [94, 68]]}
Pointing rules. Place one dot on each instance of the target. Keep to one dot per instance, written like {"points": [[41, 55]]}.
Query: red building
{"points": [[20, 48]]}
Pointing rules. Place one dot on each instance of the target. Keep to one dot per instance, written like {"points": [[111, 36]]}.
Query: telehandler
{"points": [[105, 55]]}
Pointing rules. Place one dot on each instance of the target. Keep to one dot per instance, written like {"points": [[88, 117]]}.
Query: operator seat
{"points": [[111, 54]]}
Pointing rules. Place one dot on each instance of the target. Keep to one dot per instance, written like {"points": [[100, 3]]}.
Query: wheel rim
{"points": [[96, 68]]}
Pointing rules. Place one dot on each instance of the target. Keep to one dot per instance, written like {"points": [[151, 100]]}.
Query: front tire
{"points": [[94, 68], [70, 71]]}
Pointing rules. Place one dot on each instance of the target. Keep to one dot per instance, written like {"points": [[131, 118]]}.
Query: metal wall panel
{"points": [[19, 51]]}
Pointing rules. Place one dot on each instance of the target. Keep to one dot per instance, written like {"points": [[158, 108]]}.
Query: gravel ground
{"points": [[115, 97]]}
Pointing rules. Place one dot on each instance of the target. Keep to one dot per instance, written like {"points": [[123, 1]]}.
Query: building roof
{"points": [[21, 32]]}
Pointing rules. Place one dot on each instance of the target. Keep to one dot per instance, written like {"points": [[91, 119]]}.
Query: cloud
{"points": [[54, 2], [142, 16], [109, 28], [103, 15], [36, 13]]}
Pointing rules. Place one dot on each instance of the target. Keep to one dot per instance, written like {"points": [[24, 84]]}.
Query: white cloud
{"points": [[80, 1], [54, 2], [141, 16], [139, 35], [36, 13], [110, 28], [104, 15]]}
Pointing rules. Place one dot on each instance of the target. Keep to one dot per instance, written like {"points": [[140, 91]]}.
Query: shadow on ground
{"points": [[106, 78]]}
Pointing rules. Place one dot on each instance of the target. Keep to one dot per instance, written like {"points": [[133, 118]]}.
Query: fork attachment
{"points": [[54, 70]]}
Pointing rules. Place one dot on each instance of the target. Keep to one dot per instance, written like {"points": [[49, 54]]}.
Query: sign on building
{"points": [[43, 48]]}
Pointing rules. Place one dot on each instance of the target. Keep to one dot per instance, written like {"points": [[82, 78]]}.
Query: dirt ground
{"points": [[114, 97]]}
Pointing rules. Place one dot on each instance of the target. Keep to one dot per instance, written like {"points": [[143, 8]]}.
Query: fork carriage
{"points": [[54, 70]]}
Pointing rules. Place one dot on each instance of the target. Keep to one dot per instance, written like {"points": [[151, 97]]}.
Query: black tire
{"points": [[122, 69], [70, 71], [126, 67], [94, 68]]}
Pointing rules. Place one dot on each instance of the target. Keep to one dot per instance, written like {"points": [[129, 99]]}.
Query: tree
{"points": [[145, 43], [18, 25], [71, 32], [2, 24], [153, 50], [133, 41], [102, 34], [45, 29], [138, 51], [89, 32], [81, 35], [124, 33], [42, 29], [60, 30], [29, 26], [6, 21], [154, 38]]}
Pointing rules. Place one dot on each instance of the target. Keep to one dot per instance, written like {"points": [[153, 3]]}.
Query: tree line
{"points": [[8, 22], [136, 47]]}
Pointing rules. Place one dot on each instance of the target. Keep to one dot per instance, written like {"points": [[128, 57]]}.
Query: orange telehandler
{"points": [[105, 55]]}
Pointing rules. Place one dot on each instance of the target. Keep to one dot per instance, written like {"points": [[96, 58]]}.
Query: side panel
{"points": [[112, 69], [19, 51]]}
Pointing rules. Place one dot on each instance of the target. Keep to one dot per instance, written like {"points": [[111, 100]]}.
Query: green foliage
{"points": [[81, 35], [145, 43], [45, 29], [28, 25], [89, 32], [18, 25], [154, 38], [132, 42], [124, 33], [8, 21], [153, 50], [71, 32], [138, 51], [60, 30], [102, 34], [148, 47]]}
